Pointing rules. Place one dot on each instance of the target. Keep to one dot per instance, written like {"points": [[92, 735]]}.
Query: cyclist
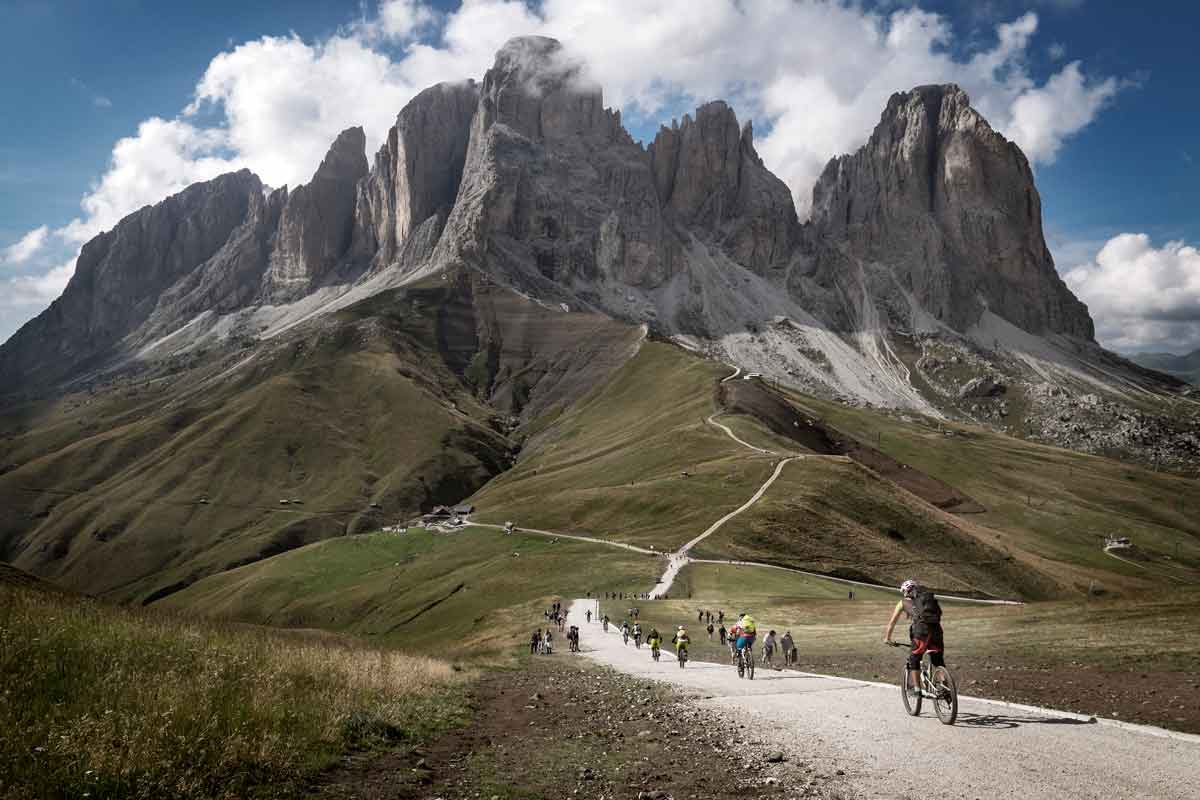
{"points": [[625, 632], [924, 630], [734, 631], [681, 640], [637, 635], [655, 642], [747, 630]]}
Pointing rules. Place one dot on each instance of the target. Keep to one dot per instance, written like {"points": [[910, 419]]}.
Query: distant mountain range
{"points": [[1186, 367]]}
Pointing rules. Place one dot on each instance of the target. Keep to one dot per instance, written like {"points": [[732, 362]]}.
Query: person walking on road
{"points": [[588, 615], [534, 641], [769, 650], [789, 649], [721, 633], [710, 628]]}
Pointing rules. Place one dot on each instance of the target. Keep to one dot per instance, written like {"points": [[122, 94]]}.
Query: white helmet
{"points": [[907, 587]]}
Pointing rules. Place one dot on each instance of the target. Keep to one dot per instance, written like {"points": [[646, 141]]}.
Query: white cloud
{"points": [[36, 290], [1143, 297], [1056, 51], [813, 74], [24, 248], [401, 19], [1043, 118]]}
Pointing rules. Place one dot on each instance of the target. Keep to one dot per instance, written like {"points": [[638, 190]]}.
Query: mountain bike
{"points": [[604, 625], [682, 655], [745, 662], [655, 652], [637, 641], [624, 637], [937, 684]]}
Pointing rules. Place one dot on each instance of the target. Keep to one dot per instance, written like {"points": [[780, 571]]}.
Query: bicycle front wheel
{"points": [[909, 693], [945, 700]]}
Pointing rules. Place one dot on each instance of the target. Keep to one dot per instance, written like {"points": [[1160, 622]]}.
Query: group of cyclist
{"points": [[917, 603]]}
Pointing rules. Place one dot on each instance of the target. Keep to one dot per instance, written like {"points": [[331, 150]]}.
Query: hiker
{"points": [[534, 641], [700, 616], [710, 628], [769, 650], [721, 633], [721, 616], [548, 642], [789, 649]]}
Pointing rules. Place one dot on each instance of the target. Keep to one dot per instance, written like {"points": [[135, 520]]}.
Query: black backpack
{"points": [[925, 608]]}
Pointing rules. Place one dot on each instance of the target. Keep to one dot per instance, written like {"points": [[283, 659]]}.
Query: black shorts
{"points": [[926, 639]]}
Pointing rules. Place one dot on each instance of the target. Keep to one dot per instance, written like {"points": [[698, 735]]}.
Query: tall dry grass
{"points": [[100, 702]]}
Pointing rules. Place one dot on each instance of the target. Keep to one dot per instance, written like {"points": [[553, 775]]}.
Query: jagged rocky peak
{"points": [[120, 275], [317, 223], [416, 173], [536, 88], [950, 205], [707, 173]]}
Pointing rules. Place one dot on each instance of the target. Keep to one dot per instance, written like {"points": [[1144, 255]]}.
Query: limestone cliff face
{"points": [[710, 178], [951, 206], [556, 197], [416, 173], [317, 223], [120, 276]]}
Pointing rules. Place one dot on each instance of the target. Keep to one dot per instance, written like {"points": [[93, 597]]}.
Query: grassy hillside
{"points": [[472, 593], [1049, 508], [136, 488], [612, 464], [106, 702], [830, 515]]}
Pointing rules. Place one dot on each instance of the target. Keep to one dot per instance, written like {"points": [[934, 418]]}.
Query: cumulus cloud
{"points": [[813, 74], [24, 248], [1143, 297]]}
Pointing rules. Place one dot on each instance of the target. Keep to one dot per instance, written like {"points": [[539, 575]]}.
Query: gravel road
{"points": [[996, 750]]}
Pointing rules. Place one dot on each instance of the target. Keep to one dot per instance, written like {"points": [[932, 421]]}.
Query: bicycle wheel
{"points": [[741, 664], [910, 694], [945, 701], [749, 663]]}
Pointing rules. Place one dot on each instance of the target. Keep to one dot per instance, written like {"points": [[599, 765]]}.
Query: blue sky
{"points": [[1117, 152]]}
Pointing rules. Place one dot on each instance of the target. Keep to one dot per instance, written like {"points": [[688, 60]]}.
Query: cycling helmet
{"points": [[907, 587]]}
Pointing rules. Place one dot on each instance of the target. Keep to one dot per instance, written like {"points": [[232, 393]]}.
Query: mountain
{"points": [[394, 333], [1185, 367]]}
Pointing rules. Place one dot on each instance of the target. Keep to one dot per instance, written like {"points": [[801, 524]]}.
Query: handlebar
{"points": [[896, 644]]}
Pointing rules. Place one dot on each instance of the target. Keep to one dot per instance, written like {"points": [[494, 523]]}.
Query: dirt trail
{"points": [[996, 750]]}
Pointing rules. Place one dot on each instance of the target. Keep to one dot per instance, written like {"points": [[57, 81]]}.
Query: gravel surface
{"points": [[995, 750]]}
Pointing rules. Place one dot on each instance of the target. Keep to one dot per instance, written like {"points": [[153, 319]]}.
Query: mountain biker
{"points": [[747, 630], [589, 615], [924, 630], [637, 635], [625, 632], [655, 641], [681, 640], [735, 631], [604, 623]]}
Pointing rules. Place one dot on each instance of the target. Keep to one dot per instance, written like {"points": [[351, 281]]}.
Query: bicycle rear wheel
{"points": [[909, 693], [749, 663], [945, 701]]}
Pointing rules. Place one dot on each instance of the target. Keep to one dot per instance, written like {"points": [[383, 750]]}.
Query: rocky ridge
{"points": [[930, 233]]}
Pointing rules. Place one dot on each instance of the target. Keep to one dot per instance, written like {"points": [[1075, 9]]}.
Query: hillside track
{"points": [[996, 749]]}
